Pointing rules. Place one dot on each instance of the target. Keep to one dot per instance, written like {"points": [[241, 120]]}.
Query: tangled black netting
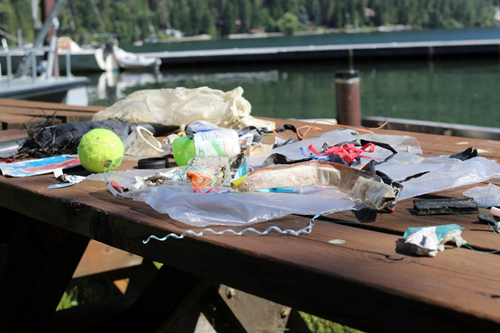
{"points": [[44, 141]]}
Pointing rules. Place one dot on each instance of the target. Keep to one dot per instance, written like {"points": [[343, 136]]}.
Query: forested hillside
{"points": [[136, 19]]}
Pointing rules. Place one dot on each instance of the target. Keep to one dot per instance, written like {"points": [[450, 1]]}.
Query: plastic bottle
{"points": [[222, 142]]}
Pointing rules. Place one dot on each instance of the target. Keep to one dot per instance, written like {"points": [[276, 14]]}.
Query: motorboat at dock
{"points": [[85, 59], [135, 62]]}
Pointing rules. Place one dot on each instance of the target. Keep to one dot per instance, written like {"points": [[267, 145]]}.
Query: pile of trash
{"points": [[235, 170], [341, 170]]}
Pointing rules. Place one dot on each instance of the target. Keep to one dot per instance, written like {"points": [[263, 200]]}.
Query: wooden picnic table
{"points": [[366, 282]]}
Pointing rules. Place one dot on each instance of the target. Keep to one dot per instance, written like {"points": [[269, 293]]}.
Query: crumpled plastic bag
{"points": [[182, 106]]}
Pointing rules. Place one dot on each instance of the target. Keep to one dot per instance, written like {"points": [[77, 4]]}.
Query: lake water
{"points": [[461, 91]]}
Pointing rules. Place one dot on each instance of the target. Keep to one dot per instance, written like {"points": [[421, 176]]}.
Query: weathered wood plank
{"points": [[10, 121], [276, 266], [99, 258], [46, 105], [367, 282]]}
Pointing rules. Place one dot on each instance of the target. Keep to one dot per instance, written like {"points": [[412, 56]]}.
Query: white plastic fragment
{"points": [[495, 211], [485, 196], [67, 180], [428, 241], [141, 142]]}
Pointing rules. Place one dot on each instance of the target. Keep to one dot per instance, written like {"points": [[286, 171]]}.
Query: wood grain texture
{"points": [[99, 258], [369, 282]]}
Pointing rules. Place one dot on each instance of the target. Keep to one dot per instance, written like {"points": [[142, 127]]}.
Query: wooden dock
{"points": [[19, 114], [48, 89], [352, 268], [394, 49]]}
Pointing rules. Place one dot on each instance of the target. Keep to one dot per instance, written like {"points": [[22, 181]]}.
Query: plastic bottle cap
{"points": [[153, 163]]}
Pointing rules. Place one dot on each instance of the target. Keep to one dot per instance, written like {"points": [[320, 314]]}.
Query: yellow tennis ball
{"points": [[100, 150]]}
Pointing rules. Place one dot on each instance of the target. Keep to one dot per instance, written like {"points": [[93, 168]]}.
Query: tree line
{"points": [[136, 19]]}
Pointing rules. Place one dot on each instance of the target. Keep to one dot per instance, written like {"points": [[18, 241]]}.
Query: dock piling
{"points": [[347, 97]]}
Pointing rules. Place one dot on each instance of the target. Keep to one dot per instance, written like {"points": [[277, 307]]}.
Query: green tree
{"points": [[316, 12], [246, 15], [303, 15], [288, 23]]}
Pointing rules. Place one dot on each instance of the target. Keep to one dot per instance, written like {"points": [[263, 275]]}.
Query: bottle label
{"points": [[222, 142]]}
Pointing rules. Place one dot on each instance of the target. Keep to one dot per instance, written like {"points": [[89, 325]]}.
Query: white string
{"points": [[306, 230]]}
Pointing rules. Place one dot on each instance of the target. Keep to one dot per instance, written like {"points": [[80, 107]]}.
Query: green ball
{"points": [[100, 150]]}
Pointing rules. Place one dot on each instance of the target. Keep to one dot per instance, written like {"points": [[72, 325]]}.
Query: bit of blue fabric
{"points": [[306, 230], [60, 185], [440, 230], [306, 152]]}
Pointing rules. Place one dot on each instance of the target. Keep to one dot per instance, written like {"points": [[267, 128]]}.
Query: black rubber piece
{"points": [[153, 163], [445, 206], [488, 218]]}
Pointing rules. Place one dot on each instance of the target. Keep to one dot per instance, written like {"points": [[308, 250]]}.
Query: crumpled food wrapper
{"points": [[426, 241], [182, 106]]}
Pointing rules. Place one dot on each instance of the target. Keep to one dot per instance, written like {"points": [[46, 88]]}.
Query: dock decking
{"points": [[425, 48]]}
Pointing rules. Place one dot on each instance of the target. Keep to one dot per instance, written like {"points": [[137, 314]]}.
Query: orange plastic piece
{"points": [[198, 178]]}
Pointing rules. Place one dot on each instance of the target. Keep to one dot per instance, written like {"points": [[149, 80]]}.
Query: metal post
{"points": [[33, 65], [9, 69], [20, 37], [347, 96], [40, 37], [68, 64], [52, 56]]}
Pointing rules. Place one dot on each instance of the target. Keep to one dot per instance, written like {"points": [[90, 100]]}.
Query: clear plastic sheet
{"points": [[445, 173], [292, 151], [485, 196], [182, 203], [198, 209]]}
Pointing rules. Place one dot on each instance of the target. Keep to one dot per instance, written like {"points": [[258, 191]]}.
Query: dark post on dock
{"points": [[347, 96]]}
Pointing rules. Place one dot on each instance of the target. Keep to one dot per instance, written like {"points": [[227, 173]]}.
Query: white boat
{"points": [[83, 59], [131, 61]]}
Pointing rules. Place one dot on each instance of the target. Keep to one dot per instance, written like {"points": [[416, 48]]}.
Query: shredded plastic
{"points": [[347, 152], [306, 230], [171, 192]]}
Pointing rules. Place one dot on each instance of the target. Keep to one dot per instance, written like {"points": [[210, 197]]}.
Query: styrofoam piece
{"points": [[142, 142]]}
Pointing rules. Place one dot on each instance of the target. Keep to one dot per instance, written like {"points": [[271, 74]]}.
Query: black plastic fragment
{"points": [[278, 158], [153, 163], [466, 154], [156, 129], [488, 218], [445, 206]]}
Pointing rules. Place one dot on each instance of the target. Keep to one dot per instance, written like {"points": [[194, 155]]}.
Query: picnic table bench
{"points": [[366, 281]]}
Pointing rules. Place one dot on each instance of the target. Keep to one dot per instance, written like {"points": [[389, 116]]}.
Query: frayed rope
{"points": [[306, 230]]}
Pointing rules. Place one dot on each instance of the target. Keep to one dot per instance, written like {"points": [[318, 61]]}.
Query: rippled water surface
{"points": [[464, 91]]}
